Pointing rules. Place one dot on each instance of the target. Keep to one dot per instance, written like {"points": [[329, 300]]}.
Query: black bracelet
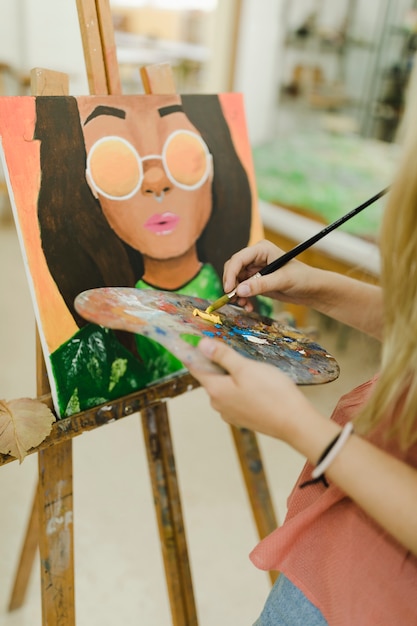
{"points": [[322, 478]]}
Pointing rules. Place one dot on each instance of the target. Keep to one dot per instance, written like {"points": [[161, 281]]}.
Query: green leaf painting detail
{"points": [[93, 367]]}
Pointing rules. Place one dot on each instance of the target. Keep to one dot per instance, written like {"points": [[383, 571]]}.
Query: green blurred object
{"points": [[324, 175]]}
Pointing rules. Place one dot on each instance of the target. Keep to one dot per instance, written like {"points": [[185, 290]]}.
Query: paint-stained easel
{"points": [[50, 525]]}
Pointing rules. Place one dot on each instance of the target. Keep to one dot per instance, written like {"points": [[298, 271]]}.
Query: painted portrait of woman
{"points": [[137, 191]]}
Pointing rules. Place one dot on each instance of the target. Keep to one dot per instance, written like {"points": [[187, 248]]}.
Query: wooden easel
{"points": [[50, 524]]}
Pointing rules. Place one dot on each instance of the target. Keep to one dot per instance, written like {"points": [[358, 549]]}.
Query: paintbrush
{"points": [[301, 247]]}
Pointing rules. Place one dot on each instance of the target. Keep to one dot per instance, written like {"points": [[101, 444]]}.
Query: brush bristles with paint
{"points": [[221, 302], [301, 247]]}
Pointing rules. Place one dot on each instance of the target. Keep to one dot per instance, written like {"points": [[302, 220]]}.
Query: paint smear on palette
{"points": [[169, 318]]}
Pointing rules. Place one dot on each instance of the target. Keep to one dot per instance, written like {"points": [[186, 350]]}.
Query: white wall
{"points": [[43, 33], [258, 64], [53, 39], [221, 40], [10, 52]]}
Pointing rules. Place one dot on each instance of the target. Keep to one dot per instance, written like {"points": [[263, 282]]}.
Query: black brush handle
{"points": [[285, 258]]}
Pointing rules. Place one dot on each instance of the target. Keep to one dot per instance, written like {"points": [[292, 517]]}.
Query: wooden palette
{"points": [[167, 317]]}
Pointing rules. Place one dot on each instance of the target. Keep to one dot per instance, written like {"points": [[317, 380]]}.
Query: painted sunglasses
{"points": [[115, 169]]}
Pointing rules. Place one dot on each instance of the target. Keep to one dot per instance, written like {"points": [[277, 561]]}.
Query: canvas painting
{"points": [[152, 192]]}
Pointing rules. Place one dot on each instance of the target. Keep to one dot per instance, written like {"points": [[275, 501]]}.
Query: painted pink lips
{"points": [[162, 223]]}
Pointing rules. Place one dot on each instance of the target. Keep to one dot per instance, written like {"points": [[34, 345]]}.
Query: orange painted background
{"points": [[233, 108], [17, 121]]}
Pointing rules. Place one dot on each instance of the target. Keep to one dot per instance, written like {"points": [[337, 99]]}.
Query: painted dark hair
{"points": [[81, 250]]}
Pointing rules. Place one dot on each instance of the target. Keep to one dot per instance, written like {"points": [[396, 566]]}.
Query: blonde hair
{"points": [[395, 393]]}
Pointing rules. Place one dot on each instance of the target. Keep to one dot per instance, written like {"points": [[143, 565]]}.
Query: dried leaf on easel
{"points": [[24, 424]]}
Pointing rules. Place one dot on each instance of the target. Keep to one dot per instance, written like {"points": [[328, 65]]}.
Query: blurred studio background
{"points": [[324, 84]]}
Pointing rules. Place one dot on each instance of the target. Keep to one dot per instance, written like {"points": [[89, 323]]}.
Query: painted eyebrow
{"points": [[174, 108], [105, 110]]}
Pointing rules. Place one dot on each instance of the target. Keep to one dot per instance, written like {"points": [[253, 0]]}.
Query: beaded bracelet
{"points": [[333, 451]]}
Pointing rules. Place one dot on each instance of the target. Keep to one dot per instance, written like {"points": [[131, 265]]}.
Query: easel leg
{"points": [[27, 557], [56, 541], [256, 484], [169, 514]]}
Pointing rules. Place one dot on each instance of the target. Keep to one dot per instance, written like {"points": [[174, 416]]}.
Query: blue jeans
{"points": [[286, 605]]}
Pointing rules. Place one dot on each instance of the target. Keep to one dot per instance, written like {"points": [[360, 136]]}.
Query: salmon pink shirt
{"points": [[353, 571]]}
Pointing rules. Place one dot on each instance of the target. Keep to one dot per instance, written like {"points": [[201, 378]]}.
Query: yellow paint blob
{"points": [[209, 317]]}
